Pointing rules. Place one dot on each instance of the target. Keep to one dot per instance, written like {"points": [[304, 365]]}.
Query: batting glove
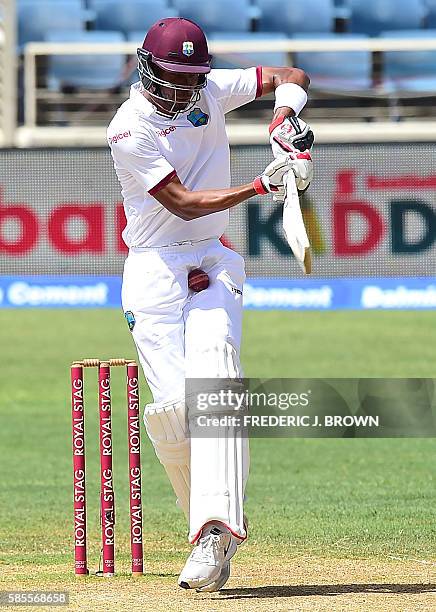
{"points": [[292, 137], [272, 180]]}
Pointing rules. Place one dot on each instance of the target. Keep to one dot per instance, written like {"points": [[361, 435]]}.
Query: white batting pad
{"points": [[219, 464], [218, 484], [166, 428], [293, 225]]}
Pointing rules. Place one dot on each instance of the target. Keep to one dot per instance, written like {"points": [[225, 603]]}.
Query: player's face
{"points": [[178, 99]]}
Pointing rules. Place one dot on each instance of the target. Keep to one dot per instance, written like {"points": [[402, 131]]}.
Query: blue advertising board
{"points": [[414, 293]]}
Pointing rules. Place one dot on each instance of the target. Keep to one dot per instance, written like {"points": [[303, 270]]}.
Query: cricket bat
{"points": [[293, 225]]}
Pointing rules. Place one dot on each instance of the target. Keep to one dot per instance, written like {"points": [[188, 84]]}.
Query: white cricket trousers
{"points": [[178, 334]]}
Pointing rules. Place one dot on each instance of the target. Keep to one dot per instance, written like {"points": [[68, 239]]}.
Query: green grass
{"points": [[351, 497]]}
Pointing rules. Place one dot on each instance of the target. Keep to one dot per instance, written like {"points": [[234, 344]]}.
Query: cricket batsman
{"points": [[171, 156]]}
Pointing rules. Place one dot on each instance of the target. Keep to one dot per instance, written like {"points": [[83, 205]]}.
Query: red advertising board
{"points": [[371, 211]]}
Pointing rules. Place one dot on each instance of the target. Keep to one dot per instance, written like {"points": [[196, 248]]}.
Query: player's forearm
{"points": [[190, 205], [200, 203]]}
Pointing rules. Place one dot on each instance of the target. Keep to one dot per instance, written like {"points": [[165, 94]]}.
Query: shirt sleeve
{"points": [[139, 155], [234, 88]]}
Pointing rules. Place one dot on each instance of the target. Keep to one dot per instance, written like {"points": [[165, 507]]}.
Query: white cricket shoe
{"points": [[205, 564], [218, 584]]}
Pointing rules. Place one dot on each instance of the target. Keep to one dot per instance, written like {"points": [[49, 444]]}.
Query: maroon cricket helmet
{"points": [[178, 45]]}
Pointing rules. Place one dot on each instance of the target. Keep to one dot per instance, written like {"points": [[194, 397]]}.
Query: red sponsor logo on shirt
{"points": [[120, 136], [166, 131]]}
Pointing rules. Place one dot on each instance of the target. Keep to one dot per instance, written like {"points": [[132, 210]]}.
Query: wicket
{"points": [[107, 496]]}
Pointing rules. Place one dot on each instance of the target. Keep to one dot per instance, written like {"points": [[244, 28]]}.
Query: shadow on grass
{"points": [[326, 590]]}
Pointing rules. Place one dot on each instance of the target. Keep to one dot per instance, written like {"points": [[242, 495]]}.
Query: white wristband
{"points": [[292, 95]]}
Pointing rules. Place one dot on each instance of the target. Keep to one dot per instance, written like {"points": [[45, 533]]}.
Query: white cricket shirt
{"points": [[148, 150]]}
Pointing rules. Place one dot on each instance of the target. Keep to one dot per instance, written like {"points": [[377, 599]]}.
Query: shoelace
{"points": [[207, 550]]}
